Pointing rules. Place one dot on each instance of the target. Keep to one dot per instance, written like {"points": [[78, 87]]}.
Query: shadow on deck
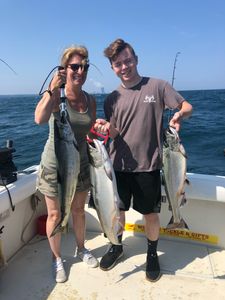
{"points": [[188, 270]]}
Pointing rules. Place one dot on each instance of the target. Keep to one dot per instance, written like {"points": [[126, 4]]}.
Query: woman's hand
{"points": [[51, 99], [58, 80]]}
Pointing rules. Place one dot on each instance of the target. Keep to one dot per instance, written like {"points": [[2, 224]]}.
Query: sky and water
{"points": [[35, 33]]}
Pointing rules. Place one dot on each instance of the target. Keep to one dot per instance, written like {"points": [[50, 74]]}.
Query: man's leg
{"points": [[152, 227]]}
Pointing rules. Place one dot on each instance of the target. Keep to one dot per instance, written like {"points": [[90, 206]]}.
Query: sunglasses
{"points": [[76, 67]]}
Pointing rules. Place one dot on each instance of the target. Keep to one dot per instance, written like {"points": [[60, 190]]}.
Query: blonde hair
{"points": [[74, 50]]}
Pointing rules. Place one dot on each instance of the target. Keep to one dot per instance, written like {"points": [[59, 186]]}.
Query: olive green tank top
{"points": [[81, 123]]}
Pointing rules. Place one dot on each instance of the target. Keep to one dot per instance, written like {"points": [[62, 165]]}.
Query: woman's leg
{"points": [[79, 226], [78, 216], [53, 219]]}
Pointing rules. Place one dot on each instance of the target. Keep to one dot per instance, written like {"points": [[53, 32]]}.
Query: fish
{"points": [[68, 168], [104, 190], [2, 258], [174, 176]]}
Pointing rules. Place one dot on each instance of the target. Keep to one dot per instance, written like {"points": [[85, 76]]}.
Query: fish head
{"points": [[64, 130], [95, 154], [106, 162], [171, 138], [99, 145]]}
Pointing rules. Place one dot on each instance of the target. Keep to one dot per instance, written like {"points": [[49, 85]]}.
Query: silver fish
{"points": [[68, 168], [104, 190], [174, 176]]}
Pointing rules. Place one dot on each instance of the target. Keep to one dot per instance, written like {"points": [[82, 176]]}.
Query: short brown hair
{"points": [[74, 50], [114, 49]]}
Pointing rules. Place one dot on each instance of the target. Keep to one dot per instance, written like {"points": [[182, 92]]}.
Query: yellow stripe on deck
{"points": [[178, 233]]}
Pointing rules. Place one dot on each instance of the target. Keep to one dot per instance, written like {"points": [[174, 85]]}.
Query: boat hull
{"points": [[204, 213]]}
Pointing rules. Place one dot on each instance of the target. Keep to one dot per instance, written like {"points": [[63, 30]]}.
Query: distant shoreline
{"points": [[99, 94]]}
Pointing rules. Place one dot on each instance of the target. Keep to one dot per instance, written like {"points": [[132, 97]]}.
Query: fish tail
{"points": [[177, 225], [58, 229], [116, 241]]}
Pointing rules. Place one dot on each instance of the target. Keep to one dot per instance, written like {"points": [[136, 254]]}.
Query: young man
{"points": [[134, 112]]}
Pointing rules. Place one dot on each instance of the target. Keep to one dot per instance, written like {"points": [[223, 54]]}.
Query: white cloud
{"points": [[97, 84]]}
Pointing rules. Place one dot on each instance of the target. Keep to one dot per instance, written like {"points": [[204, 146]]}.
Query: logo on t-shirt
{"points": [[149, 99]]}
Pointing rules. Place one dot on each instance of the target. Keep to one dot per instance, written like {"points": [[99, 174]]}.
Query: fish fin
{"points": [[59, 177], [183, 200], [66, 228], [187, 181], [182, 150], [181, 225], [163, 182], [163, 199], [108, 173], [170, 222], [58, 229], [76, 145], [121, 205], [170, 207], [121, 227], [91, 202], [2, 258]]}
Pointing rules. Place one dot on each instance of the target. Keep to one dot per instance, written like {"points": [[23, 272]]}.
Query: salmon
{"points": [[174, 176], [104, 191]]}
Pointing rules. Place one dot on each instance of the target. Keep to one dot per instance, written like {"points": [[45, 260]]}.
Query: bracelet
{"points": [[49, 92]]}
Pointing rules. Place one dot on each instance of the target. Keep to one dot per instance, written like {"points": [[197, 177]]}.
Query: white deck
{"points": [[190, 271], [193, 265]]}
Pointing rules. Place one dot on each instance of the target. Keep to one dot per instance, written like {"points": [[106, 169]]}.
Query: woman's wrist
{"points": [[49, 92], [53, 93]]}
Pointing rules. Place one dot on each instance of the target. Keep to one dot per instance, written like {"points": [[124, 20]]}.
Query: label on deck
{"points": [[178, 233]]}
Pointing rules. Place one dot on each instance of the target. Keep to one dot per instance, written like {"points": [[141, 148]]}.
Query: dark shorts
{"points": [[143, 188]]}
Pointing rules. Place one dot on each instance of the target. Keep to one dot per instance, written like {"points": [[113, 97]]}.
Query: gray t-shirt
{"points": [[138, 115]]}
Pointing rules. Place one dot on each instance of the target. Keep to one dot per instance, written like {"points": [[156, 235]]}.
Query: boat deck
{"points": [[189, 270]]}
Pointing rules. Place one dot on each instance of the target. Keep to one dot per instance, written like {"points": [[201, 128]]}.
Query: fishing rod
{"points": [[62, 105], [60, 68], [173, 78], [174, 67], [4, 62]]}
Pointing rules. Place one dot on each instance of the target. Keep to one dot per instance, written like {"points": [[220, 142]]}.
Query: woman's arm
{"points": [[50, 100]]}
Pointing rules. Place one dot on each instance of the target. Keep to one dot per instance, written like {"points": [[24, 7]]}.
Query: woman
{"points": [[81, 109]]}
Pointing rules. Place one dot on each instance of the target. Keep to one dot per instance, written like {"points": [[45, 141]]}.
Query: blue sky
{"points": [[34, 34]]}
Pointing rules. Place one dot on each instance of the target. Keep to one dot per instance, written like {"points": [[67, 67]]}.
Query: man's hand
{"points": [[175, 122], [104, 127]]}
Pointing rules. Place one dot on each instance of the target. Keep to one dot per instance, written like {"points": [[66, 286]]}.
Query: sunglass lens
{"points": [[74, 67], [86, 66]]}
